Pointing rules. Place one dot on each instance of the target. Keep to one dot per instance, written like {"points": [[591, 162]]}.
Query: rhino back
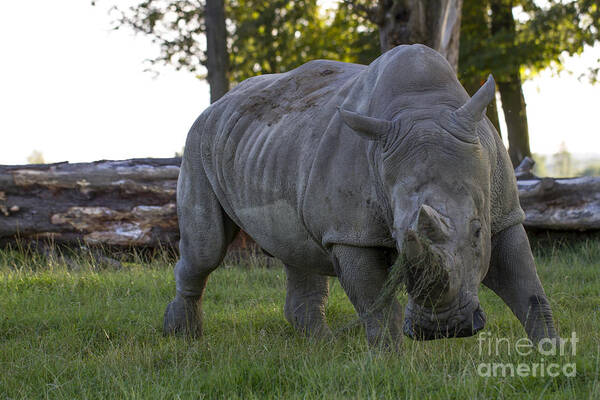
{"points": [[258, 145]]}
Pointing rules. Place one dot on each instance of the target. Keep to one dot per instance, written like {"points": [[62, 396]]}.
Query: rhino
{"points": [[340, 169]]}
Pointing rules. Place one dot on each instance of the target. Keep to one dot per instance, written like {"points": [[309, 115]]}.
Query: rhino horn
{"points": [[413, 248], [426, 275], [474, 109], [432, 224], [369, 127]]}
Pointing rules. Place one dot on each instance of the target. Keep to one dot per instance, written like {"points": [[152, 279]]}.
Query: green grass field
{"points": [[93, 332]]}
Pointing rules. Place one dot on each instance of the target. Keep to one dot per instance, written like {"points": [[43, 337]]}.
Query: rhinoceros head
{"points": [[436, 177]]}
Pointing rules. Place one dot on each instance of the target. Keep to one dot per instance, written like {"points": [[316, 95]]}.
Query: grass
{"points": [[89, 332]]}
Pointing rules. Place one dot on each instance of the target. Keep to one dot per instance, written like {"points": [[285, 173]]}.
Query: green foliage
{"points": [[277, 36], [545, 31], [557, 28], [540, 168], [272, 36], [176, 27], [592, 170], [264, 36], [36, 157], [352, 37], [562, 162], [474, 62], [95, 333], [565, 164]]}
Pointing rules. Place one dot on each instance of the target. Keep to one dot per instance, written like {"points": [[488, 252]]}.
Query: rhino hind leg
{"points": [[363, 272], [305, 302], [513, 277], [206, 231]]}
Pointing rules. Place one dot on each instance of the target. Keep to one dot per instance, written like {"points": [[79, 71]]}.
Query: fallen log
{"points": [[567, 204], [561, 204], [132, 202], [123, 203]]}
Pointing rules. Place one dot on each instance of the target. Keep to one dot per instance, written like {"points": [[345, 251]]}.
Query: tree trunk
{"points": [[217, 58], [515, 115], [510, 87], [435, 23], [474, 32]]}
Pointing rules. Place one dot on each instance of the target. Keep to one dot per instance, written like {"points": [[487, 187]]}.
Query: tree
{"points": [[352, 37], [36, 157], [435, 23], [562, 162], [179, 28], [509, 83], [474, 34], [217, 59], [488, 40], [279, 35], [540, 167], [560, 27], [493, 41], [262, 36], [592, 170]]}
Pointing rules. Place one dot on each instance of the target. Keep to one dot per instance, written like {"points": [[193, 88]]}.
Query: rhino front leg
{"points": [[363, 273], [305, 302], [513, 277]]}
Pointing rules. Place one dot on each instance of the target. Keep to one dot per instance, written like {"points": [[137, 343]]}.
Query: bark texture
{"points": [[475, 32], [434, 23], [515, 115], [127, 203], [216, 48], [510, 85], [132, 202], [558, 204], [561, 204]]}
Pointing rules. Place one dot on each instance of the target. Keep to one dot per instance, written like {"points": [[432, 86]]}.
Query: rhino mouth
{"points": [[460, 319]]}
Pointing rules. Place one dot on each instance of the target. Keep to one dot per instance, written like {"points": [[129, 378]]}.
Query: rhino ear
{"points": [[474, 109], [368, 127], [432, 224]]}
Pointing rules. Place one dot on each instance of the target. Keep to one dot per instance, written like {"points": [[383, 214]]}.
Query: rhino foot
{"points": [[320, 332], [323, 333], [183, 318], [384, 333], [313, 326]]}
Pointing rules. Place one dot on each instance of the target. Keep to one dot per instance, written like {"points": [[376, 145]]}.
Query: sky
{"points": [[76, 90]]}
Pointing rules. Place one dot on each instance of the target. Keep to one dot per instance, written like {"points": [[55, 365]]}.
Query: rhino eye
{"points": [[476, 228]]}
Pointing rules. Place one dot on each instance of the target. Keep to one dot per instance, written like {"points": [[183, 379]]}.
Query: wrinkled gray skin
{"points": [[337, 169]]}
